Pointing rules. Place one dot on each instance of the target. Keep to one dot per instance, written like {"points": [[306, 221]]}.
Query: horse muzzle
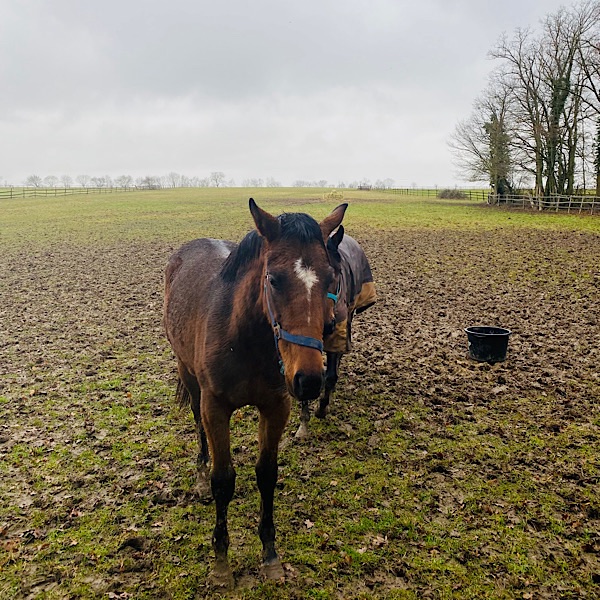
{"points": [[307, 386]]}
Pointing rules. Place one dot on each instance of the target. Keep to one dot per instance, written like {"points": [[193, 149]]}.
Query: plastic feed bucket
{"points": [[487, 344]]}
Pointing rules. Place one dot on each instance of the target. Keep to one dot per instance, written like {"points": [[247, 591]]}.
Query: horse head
{"points": [[298, 275]]}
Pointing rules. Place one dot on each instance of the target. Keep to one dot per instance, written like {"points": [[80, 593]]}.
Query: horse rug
{"points": [[356, 294]]}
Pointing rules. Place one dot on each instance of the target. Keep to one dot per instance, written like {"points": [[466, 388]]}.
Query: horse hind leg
{"points": [[188, 391], [331, 378]]}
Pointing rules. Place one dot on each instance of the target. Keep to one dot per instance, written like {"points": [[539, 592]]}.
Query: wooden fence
{"points": [[28, 192], [474, 195], [570, 204]]}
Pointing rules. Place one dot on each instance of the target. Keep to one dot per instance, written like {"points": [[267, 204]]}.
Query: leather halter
{"points": [[281, 334]]}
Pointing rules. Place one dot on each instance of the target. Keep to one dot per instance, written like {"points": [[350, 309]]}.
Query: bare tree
{"points": [[549, 77], [124, 181], [150, 182], [588, 60], [83, 180], [173, 179], [481, 144], [66, 181], [51, 181], [520, 73], [33, 181], [217, 178], [99, 182], [257, 182]]}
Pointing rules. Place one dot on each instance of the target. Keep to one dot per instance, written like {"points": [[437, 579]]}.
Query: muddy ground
{"points": [[80, 337]]}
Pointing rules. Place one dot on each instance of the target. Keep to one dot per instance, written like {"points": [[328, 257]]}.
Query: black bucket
{"points": [[487, 344]]}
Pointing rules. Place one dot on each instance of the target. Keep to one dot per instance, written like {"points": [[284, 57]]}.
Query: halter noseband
{"points": [[282, 334]]}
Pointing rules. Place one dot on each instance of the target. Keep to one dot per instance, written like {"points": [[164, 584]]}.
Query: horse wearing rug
{"points": [[355, 293], [246, 325]]}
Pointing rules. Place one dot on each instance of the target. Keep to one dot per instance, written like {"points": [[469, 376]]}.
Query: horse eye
{"points": [[275, 283]]}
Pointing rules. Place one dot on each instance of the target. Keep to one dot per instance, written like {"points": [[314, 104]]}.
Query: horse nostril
{"points": [[307, 387]]}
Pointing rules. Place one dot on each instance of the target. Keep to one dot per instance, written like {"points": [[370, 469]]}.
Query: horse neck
{"points": [[247, 316]]}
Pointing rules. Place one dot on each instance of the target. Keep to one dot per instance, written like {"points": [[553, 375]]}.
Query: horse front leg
{"points": [[216, 424], [331, 378], [271, 426], [302, 432]]}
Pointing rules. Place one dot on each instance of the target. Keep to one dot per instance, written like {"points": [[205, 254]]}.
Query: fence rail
{"points": [[52, 192]]}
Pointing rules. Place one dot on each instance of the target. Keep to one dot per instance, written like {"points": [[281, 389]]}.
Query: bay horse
{"points": [[246, 325], [355, 293]]}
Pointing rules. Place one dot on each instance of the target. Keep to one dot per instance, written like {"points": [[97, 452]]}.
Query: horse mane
{"points": [[247, 251], [294, 226]]}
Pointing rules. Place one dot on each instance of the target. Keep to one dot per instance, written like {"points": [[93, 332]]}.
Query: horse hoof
{"points": [[221, 577], [302, 432], [321, 413], [272, 570], [203, 489]]}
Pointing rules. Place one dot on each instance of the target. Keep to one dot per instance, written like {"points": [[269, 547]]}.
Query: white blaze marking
{"points": [[307, 275]]}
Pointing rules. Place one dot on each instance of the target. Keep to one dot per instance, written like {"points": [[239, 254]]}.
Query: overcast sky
{"points": [[340, 90]]}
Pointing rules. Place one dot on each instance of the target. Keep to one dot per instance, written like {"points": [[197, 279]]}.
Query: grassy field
{"points": [[434, 477], [192, 212]]}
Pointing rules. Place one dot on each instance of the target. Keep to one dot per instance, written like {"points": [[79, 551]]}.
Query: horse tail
{"points": [[184, 398]]}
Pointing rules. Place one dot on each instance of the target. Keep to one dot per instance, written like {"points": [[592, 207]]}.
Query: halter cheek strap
{"points": [[335, 297], [282, 334]]}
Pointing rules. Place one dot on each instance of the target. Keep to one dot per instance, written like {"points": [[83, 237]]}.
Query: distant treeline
{"points": [[177, 180]]}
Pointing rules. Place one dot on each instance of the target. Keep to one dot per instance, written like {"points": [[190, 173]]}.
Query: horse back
{"points": [[191, 286]]}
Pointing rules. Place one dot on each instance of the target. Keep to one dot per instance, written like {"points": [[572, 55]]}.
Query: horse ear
{"points": [[337, 237], [329, 223], [267, 225]]}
